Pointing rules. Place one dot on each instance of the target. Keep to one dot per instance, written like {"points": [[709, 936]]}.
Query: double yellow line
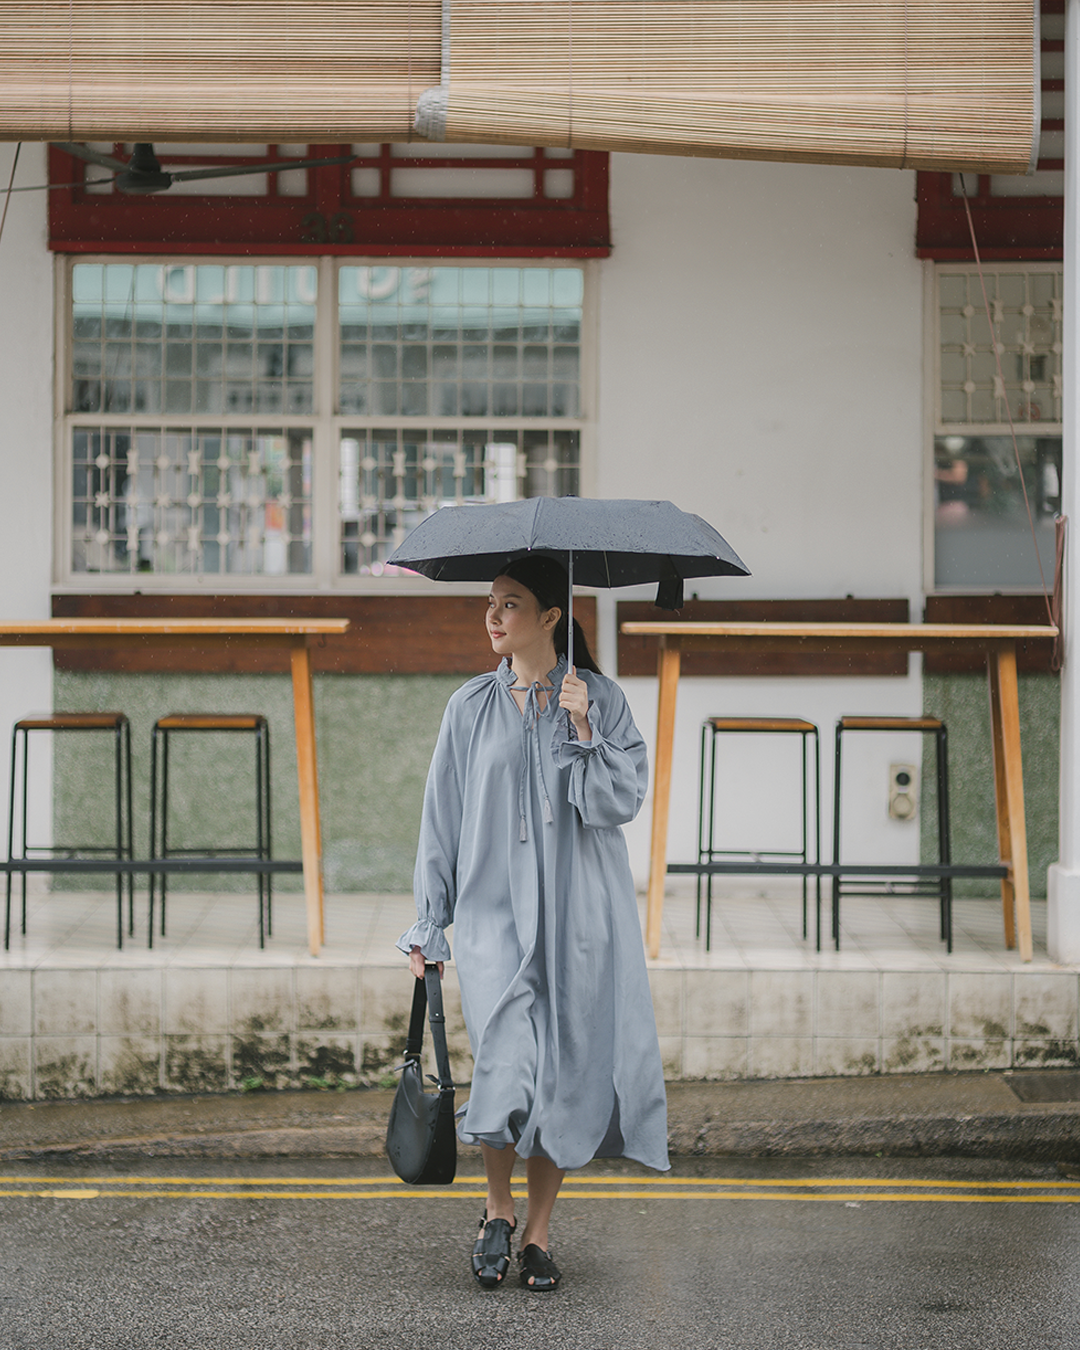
{"points": [[846, 1190]]}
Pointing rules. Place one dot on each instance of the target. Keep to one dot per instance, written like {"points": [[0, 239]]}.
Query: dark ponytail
{"points": [[548, 581]]}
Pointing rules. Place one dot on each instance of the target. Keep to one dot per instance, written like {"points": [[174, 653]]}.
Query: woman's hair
{"points": [[548, 581]]}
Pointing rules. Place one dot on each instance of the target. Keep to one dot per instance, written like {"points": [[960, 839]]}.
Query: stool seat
{"points": [[760, 724], [891, 723], [211, 722], [79, 721]]}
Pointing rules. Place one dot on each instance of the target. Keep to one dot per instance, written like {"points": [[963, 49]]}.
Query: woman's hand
{"points": [[416, 963], [574, 697]]}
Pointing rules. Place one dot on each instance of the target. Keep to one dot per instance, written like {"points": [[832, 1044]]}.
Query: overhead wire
{"points": [[11, 183], [1051, 606]]}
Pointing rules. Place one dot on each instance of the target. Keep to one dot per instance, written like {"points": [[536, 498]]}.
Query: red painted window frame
{"points": [[1007, 228], [330, 220]]}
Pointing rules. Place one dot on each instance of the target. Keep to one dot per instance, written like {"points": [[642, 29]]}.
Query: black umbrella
{"points": [[601, 542]]}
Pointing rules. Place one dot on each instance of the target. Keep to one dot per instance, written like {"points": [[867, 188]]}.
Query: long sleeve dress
{"points": [[521, 850]]}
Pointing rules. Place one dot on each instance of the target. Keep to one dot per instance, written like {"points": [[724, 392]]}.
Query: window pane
{"points": [[460, 341], [193, 338], [981, 532], [390, 480], [189, 501]]}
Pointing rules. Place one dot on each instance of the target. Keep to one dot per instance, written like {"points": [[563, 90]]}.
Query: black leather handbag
{"points": [[421, 1142]]}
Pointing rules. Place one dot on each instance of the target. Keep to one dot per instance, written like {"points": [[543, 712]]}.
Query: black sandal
{"points": [[538, 1267], [491, 1252]]}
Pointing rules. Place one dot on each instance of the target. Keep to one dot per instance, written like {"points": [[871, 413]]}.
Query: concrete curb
{"points": [[933, 1115], [1052, 1137], [1044, 1138]]}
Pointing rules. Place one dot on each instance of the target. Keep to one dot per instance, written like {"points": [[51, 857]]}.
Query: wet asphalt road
{"points": [[745, 1254]]}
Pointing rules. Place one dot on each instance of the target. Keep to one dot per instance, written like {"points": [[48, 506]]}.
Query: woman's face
{"points": [[515, 621]]}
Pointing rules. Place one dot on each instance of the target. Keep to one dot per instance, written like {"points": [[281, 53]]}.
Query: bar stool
{"points": [[183, 723], [714, 727], [919, 884], [118, 725]]}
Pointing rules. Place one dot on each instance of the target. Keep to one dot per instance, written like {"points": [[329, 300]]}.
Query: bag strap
{"points": [[427, 995]]}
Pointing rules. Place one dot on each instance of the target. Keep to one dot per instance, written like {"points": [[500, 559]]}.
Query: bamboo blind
{"points": [[936, 84], [929, 84], [215, 70]]}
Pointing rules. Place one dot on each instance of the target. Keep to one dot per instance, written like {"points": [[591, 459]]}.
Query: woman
{"points": [[535, 769]]}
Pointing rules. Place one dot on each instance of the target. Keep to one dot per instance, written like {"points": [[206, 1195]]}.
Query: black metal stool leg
{"points": [[119, 795], [153, 832], [259, 833], [130, 840], [944, 846], [805, 833], [267, 837], [700, 830], [817, 836], [712, 841], [10, 840], [164, 818], [25, 845], [836, 842]]}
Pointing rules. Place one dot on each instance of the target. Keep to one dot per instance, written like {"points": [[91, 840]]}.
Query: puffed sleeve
{"points": [[435, 877], [610, 773]]}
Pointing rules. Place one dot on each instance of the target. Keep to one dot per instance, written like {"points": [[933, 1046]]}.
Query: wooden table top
{"points": [[46, 631], [913, 633]]}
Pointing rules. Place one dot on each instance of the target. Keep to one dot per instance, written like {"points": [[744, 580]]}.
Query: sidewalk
{"points": [[1032, 1115]]}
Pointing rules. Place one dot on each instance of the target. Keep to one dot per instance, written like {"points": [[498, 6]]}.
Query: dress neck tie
{"points": [[530, 745]]}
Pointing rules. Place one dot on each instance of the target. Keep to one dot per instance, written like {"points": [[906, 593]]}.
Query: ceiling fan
{"points": [[143, 175]]}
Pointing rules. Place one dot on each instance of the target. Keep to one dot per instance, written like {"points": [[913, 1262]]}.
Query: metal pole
{"points": [[1063, 916], [570, 613]]}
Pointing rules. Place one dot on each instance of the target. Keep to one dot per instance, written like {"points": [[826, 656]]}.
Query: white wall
{"points": [[26, 397], [760, 364]]}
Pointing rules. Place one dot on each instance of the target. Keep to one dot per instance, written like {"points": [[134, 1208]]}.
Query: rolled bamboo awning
{"points": [[933, 84], [928, 84], [215, 70]]}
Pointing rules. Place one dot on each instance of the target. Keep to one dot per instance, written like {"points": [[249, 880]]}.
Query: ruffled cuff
{"points": [[429, 937], [567, 747]]}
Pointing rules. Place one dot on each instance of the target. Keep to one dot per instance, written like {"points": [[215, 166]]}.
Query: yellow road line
{"points": [[569, 1183], [899, 1194]]}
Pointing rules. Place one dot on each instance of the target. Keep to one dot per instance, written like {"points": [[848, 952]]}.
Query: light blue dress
{"points": [[521, 850]]}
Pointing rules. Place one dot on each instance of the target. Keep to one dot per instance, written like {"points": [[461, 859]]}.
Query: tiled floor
{"points": [[751, 931]]}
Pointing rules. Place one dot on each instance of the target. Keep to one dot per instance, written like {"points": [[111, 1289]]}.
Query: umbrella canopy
{"points": [[602, 542]]}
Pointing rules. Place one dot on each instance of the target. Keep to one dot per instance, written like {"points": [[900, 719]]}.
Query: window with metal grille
{"points": [[230, 420], [985, 373]]}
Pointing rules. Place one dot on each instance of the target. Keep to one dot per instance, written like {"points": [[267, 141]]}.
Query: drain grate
{"points": [[1062, 1085]]}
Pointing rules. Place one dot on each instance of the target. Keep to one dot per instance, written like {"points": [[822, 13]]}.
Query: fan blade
{"points": [[49, 187], [91, 156], [238, 170]]}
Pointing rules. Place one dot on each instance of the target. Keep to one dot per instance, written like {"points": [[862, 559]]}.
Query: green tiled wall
{"points": [[963, 704], [375, 739], [375, 736]]}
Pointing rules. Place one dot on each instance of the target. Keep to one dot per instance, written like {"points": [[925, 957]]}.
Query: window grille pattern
{"points": [[1025, 306], [390, 480], [460, 341], [191, 501], [982, 539], [188, 339]]}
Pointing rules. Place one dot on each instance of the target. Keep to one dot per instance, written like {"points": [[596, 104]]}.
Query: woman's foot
{"points": [[538, 1271], [491, 1252]]}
